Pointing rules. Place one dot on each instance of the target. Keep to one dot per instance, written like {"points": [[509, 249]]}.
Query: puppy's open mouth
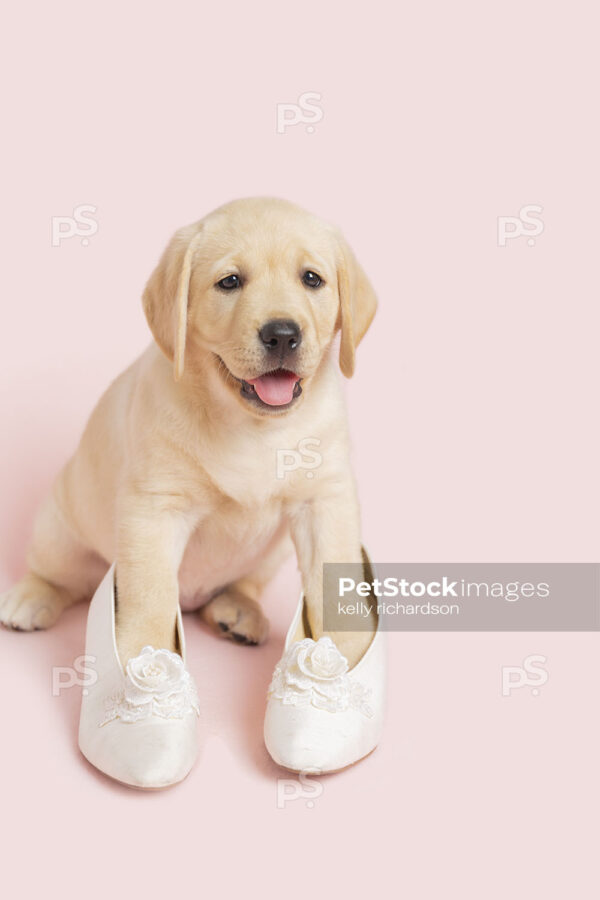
{"points": [[274, 390]]}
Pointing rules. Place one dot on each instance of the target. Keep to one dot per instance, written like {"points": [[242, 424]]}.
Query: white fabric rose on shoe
{"points": [[157, 684], [315, 673]]}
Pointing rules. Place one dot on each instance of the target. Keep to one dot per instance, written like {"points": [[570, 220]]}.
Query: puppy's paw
{"points": [[32, 604], [235, 616]]}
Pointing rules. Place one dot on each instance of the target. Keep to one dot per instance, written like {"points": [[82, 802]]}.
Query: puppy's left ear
{"points": [[166, 296], [357, 305]]}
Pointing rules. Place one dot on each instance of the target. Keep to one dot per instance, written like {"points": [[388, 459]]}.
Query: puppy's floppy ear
{"points": [[165, 298], [357, 305]]}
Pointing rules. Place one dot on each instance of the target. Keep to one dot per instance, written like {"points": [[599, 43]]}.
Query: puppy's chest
{"points": [[227, 545], [255, 475]]}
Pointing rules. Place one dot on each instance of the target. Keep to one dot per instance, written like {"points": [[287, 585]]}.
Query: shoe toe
{"points": [[313, 740], [153, 754]]}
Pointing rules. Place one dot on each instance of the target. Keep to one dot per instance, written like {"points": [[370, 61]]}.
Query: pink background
{"points": [[474, 415]]}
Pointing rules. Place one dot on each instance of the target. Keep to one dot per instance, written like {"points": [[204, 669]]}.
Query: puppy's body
{"points": [[229, 470], [181, 480]]}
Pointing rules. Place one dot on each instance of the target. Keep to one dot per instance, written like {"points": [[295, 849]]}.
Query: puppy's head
{"points": [[257, 290]]}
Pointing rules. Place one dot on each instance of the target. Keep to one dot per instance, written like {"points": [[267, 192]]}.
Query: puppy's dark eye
{"points": [[230, 283], [311, 279]]}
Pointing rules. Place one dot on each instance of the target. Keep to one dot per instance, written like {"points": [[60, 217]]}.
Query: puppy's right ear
{"points": [[166, 296]]}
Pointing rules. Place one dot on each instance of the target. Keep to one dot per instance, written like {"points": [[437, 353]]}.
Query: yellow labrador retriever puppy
{"points": [[178, 473]]}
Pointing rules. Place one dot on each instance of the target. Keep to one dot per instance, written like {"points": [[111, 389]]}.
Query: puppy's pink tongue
{"points": [[276, 388]]}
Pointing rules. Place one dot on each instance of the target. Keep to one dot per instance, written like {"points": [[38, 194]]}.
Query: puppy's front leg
{"points": [[153, 531], [327, 530]]}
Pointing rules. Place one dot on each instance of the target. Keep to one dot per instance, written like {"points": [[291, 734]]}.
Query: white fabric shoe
{"points": [[321, 716], [138, 726]]}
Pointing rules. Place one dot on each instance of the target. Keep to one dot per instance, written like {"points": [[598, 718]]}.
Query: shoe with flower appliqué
{"points": [[321, 715], [139, 724]]}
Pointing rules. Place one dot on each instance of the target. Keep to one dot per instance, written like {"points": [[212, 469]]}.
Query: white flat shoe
{"points": [[138, 726], [322, 717]]}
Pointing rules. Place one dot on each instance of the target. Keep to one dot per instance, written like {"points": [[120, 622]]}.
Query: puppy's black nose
{"points": [[281, 335]]}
